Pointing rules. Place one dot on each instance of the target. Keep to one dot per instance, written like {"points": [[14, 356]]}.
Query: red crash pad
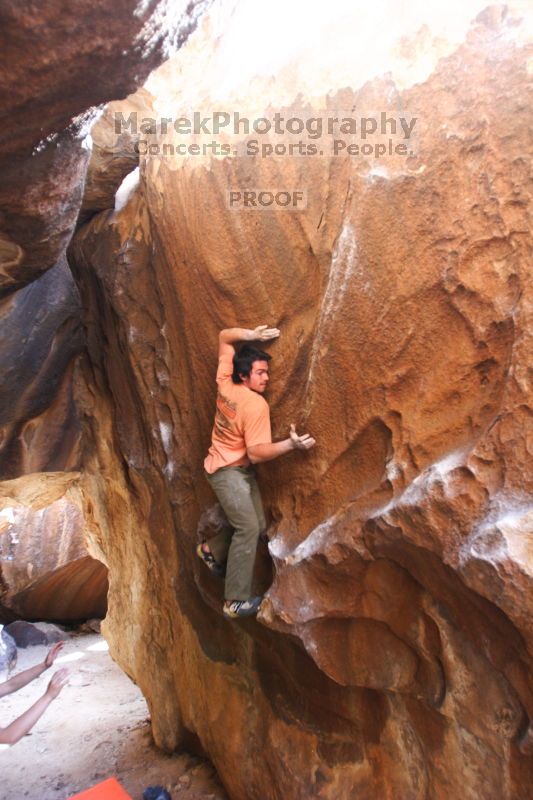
{"points": [[107, 790]]}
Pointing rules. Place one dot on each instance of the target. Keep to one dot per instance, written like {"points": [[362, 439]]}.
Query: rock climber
{"points": [[23, 724], [241, 437]]}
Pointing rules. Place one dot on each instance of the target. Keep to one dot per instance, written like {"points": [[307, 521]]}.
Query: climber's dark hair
{"points": [[243, 360]]}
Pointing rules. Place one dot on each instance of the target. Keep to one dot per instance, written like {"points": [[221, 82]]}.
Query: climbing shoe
{"points": [[207, 557], [233, 609]]}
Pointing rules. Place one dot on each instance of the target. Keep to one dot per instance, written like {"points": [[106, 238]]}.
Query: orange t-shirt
{"points": [[242, 419]]}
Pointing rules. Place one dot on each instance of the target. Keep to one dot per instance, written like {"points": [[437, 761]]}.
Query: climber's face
{"points": [[258, 379]]}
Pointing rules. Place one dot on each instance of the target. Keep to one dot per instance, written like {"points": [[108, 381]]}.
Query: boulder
{"points": [[8, 651], [91, 626], [46, 571], [27, 634]]}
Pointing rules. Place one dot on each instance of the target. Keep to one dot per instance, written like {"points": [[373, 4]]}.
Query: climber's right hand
{"points": [[301, 442], [263, 333]]}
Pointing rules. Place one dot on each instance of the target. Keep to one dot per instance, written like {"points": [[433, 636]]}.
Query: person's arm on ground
{"points": [[23, 724], [266, 452], [229, 336], [23, 678]]}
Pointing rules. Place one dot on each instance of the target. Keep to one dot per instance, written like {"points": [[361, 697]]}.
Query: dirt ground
{"points": [[98, 727]]}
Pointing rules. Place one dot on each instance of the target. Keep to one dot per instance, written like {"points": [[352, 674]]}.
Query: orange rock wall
{"points": [[392, 657]]}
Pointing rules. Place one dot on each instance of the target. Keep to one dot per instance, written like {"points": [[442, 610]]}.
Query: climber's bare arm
{"points": [[23, 678], [23, 724], [266, 452], [228, 337]]}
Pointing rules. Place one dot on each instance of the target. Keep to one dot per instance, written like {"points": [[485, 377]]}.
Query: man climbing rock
{"points": [[241, 437]]}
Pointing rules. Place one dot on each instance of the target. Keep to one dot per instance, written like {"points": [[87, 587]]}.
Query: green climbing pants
{"points": [[238, 493]]}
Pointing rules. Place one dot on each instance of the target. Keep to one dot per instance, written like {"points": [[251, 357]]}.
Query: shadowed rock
{"points": [[60, 65], [41, 338]]}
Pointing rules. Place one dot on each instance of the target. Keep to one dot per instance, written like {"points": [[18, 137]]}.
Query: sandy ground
{"points": [[98, 727]]}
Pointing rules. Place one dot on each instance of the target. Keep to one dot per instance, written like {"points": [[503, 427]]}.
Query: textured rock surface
{"points": [[45, 570], [41, 339], [393, 655], [60, 64], [112, 156]]}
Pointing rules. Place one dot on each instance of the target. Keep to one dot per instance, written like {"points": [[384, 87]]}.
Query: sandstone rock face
{"points": [[113, 155], [392, 657], [45, 570], [41, 340], [60, 64]]}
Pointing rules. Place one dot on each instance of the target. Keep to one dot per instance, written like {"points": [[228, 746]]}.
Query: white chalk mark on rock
{"points": [[126, 189], [343, 265]]}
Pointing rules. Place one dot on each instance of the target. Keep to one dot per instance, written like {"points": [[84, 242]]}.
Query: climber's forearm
{"points": [[22, 679], [266, 452], [232, 335], [21, 726]]}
